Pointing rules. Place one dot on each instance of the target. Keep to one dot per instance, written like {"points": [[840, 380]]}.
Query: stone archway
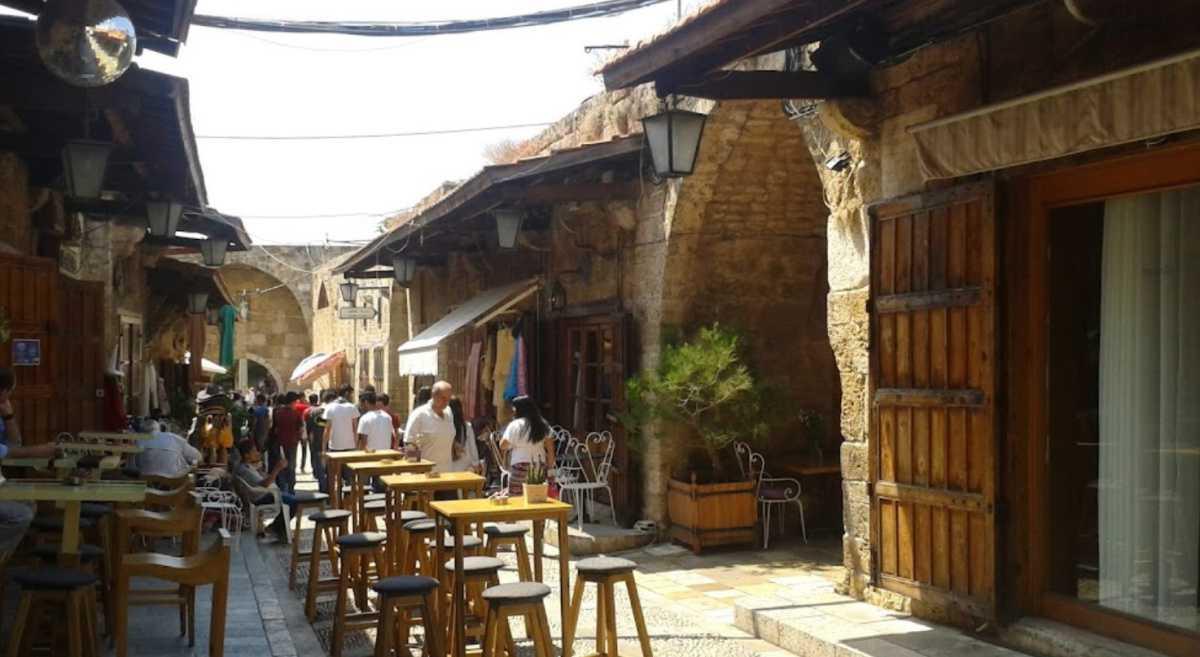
{"points": [[281, 382]]}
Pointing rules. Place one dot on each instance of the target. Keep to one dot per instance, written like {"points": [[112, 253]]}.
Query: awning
{"points": [[315, 365], [1140, 103], [419, 356], [206, 365]]}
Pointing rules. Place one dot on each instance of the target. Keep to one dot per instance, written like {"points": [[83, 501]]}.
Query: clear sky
{"points": [[252, 83]]}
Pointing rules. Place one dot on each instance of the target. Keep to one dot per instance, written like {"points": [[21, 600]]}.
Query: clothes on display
{"points": [[228, 315], [471, 393]]}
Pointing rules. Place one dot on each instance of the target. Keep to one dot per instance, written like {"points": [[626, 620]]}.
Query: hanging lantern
{"points": [[404, 268], [674, 139], [197, 303], [163, 217], [84, 163], [508, 224], [558, 297], [213, 251], [349, 291]]}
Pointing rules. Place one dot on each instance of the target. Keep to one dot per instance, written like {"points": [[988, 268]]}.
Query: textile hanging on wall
{"points": [[506, 345], [517, 383], [1144, 102], [228, 317], [471, 403], [489, 362]]}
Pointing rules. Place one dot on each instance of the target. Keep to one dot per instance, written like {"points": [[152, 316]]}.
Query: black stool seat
{"points": [[516, 593], [478, 565], [329, 516], [409, 516], [420, 526], [54, 579], [49, 551], [375, 505], [604, 566], [362, 540], [469, 542], [94, 510], [55, 523], [404, 585], [310, 497], [372, 497], [506, 530]]}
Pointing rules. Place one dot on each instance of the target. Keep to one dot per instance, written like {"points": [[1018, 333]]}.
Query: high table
{"points": [[460, 513], [333, 467], [361, 471], [423, 486], [70, 497]]}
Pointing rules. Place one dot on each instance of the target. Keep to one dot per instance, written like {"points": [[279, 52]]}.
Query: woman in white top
{"points": [[529, 438], [464, 451]]}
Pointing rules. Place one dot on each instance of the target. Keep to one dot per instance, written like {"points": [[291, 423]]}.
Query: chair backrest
{"points": [[166, 500], [608, 448], [752, 464], [493, 443], [182, 520]]}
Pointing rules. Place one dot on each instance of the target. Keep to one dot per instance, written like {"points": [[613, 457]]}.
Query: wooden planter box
{"points": [[708, 515]]}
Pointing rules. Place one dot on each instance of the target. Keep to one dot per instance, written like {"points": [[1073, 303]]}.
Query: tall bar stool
{"points": [[356, 551], [72, 594], [472, 545], [605, 572], [518, 599], [304, 500], [372, 511], [396, 537], [398, 598], [328, 525], [416, 557], [478, 574], [509, 534]]}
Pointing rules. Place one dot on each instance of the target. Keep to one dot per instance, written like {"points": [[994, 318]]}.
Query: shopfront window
{"points": [[1124, 398]]}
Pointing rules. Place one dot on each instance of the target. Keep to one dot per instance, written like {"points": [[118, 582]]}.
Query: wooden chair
{"points": [[182, 523], [522, 599], [605, 573], [165, 499], [208, 568], [509, 534], [166, 483]]}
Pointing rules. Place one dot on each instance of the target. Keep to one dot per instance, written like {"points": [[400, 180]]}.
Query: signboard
{"points": [[26, 353], [357, 312]]}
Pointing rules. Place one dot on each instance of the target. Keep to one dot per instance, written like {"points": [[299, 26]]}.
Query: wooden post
{"points": [[196, 337]]}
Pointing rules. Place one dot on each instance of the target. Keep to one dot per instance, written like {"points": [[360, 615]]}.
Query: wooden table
{"points": [[70, 498], [422, 486], [460, 513], [361, 471], [62, 465], [336, 459]]}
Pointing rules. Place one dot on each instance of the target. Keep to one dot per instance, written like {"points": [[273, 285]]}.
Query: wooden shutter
{"points": [[933, 411]]}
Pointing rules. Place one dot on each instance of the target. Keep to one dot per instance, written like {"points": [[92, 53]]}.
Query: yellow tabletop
{"points": [[414, 483], [483, 509], [383, 466], [353, 455], [40, 490], [114, 437]]}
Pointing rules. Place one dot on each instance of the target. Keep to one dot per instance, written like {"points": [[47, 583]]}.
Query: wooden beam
{"points": [[764, 85], [971, 502], [912, 301], [920, 397], [576, 192]]}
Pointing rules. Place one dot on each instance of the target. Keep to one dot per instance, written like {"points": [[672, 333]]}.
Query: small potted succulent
{"points": [[536, 489]]}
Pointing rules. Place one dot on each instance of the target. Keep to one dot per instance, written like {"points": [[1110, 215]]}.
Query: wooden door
{"points": [[80, 357], [29, 300], [933, 347]]}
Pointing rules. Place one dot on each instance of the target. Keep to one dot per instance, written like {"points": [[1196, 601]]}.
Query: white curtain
{"points": [[1149, 487]]}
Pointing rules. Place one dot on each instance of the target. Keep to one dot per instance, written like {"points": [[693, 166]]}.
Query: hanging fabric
{"points": [[228, 315], [512, 387], [471, 403], [489, 363], [506, 346]]}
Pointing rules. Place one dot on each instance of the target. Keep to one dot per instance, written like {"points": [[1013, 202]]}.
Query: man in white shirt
{"points": [[375, 429], [341, 422], [431, 428], [166, 455]]}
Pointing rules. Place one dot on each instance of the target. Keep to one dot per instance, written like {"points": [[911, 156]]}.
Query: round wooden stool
{"points": [[605, 572], [328, 525], [92, 560], [356, 552], [471, 544], [304, 500], [398, 597], [415, 555], [372, 511], [478, 574], [56, 595], [509, 534], [395, 529], [518, 599]]}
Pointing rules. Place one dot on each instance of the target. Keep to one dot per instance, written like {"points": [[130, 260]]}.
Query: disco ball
{"points": [[87, 43]]}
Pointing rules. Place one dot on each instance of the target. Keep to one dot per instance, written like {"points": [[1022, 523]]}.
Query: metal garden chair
{"points": [[770, 491], [593, 474]]}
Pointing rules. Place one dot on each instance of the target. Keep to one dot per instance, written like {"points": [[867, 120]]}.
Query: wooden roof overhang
{"points": [[691, 58], [460, 221], [161, 25], [175, 278]]}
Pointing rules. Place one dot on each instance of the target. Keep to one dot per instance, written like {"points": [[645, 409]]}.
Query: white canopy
{"points": [[419, 355], [206, 365]]}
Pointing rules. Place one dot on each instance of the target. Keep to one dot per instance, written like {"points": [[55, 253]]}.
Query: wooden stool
{"points": [[478, 574], [92, 560], [605, 572], [519, 599], [328, 525], [42, 591], [416, 558], [509, 534], [398, 598], [472, 545], [356, 551], [372, 511], [304, 500]]}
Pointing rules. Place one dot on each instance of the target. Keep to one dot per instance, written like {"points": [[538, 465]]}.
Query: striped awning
{"points": [[315, 365]]}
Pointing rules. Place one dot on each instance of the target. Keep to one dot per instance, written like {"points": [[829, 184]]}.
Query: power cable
{"points": [[383, 135], [427, 28]]}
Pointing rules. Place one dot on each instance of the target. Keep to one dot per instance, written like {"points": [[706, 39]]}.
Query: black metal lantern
{"points": [[674, 139], [349, 290], [404, 268], [197, 303], [213, 251], [84, 163], [508, 224], [558, 297], [163, 217]]}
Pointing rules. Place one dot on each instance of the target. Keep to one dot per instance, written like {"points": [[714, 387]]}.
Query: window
{"points": [[322, 298]]}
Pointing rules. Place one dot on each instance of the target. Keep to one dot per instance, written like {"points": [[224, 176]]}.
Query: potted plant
{"points": [[535, 489], [702, 398]]}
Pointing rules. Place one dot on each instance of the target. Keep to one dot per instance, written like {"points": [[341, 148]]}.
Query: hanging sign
{"points": [[26, 353], [357, 312]]}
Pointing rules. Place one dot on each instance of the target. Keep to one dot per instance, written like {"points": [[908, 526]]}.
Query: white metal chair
{"points": [[501, 459], [226, 504], [592, 474], [770, 491]]}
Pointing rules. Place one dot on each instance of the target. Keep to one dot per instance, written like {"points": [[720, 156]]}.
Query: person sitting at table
{"points": [[261, 489], [165, 455], [464, 452], [14, 516], [530, 439], [431, 428]]}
